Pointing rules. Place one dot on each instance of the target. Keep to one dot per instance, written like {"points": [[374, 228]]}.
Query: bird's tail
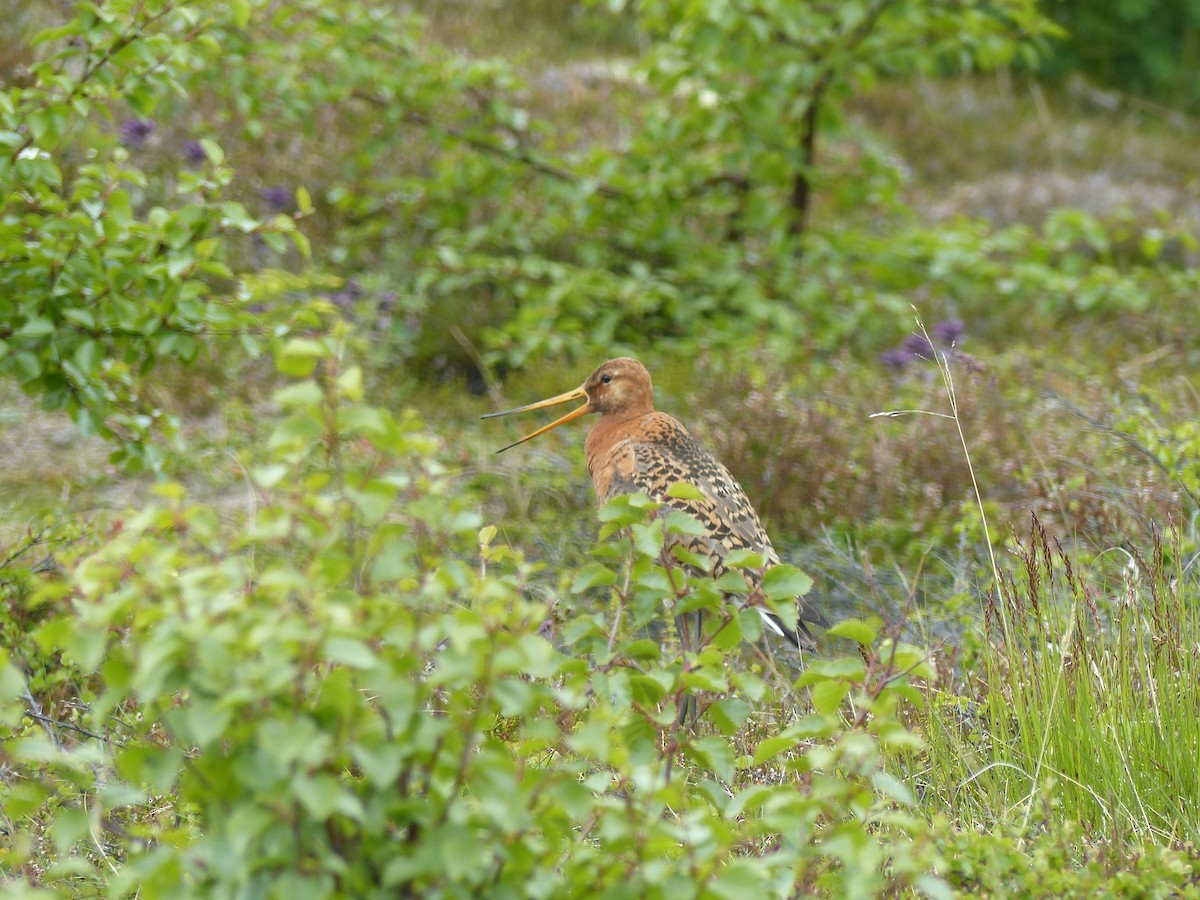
{"points": [[800, 638]]}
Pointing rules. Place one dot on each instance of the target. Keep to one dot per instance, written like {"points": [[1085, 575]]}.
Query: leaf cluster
{"points": [[349, 691]]}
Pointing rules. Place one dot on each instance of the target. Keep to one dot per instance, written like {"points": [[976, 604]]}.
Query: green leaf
{"points": [[729, 714], [847, 668], [319, 794], [178, 263], [716, 754], [626, 509], [744, 559], [648, 538], [785, 582], [371, 422], [856, 630], [682, 523], [213, 151], [809, 727], [641, 649], [300, 394], [295, 431], [705, 678], [827, 696], [299, 356], [592, 575], [236, 217], [892, 788], [934, 887], [349, 651], [88, 355], [35, 328], [910, 659], [682, 490], [750, 685]]}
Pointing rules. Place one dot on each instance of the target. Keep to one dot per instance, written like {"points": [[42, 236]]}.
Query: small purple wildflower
{"points": [[134, 133], [347, 295], [387, 301], [949, 332], [896, 358], [193, 153], [278, 198], [917, 345]]}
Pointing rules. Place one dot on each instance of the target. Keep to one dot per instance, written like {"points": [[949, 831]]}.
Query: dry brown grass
{"points": [[811, 458]]}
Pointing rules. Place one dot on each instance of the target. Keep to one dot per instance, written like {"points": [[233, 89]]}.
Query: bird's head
{"points": [[617, 387]]}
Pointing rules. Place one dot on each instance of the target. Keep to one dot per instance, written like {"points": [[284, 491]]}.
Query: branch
{"points": [[524, 157], [46, 720]]}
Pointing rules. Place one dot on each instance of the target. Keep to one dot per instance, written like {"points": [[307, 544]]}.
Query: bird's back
{"points": [[654, 451]]}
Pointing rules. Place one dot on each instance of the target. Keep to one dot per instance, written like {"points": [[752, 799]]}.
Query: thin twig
{"points": [[524, 157]]}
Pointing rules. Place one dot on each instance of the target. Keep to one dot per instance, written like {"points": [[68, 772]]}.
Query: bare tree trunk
{"points": [[802, 186]]}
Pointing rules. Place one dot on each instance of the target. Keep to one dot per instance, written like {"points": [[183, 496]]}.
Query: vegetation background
{"points": [[277, 622]]}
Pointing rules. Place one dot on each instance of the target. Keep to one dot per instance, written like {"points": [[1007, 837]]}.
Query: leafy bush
{"points": [[469, 218], [109, 269], [354, 688], [1143, 46], [348, 692]]}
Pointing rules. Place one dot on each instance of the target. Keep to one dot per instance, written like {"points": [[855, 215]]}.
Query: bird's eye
{"points": [[606, 379]]}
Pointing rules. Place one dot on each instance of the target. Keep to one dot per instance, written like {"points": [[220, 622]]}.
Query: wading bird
{"points": [[634, 448]]}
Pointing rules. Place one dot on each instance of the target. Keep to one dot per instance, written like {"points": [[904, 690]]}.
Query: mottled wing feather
{"points": [[724, 510]]}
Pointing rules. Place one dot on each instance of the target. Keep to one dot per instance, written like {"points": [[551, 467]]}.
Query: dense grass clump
{"points": [[1091, 698]]}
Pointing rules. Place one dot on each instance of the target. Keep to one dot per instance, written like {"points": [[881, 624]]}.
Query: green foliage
{"points": [[1063, 861], [1089, 711], [345, 684], [1160, 428], [694, 231], [474, 212], [348, 692], [1147, 47], [108, 268]]}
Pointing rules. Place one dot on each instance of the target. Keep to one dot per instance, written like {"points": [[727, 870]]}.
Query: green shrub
{"points": [[1145, 47], [349, 691], [110, 268]]}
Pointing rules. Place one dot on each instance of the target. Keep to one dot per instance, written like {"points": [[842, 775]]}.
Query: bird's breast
{"points": [[633, 455]]}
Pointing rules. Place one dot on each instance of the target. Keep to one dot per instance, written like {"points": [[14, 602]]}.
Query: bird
{"points": [[634, 448]]}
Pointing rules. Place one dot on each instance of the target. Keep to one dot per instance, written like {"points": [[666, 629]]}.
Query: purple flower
{"points": [[134, 133], [387, 301], [918, 345], [193, 152], [896, 358], [278, 198], [949, 332], [347, 295]]}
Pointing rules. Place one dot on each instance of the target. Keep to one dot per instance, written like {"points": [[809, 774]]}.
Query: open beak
{"points": [[578, 394]]}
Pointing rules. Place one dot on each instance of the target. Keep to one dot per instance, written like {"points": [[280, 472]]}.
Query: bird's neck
{"points": [[615, 425], [612, 428]]}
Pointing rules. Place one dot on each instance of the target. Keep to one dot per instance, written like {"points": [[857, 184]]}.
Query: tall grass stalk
{"points": [[1118, 737], [1091, 708]]}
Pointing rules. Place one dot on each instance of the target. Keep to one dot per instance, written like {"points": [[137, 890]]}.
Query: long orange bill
{"points": [[578, 394]]}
